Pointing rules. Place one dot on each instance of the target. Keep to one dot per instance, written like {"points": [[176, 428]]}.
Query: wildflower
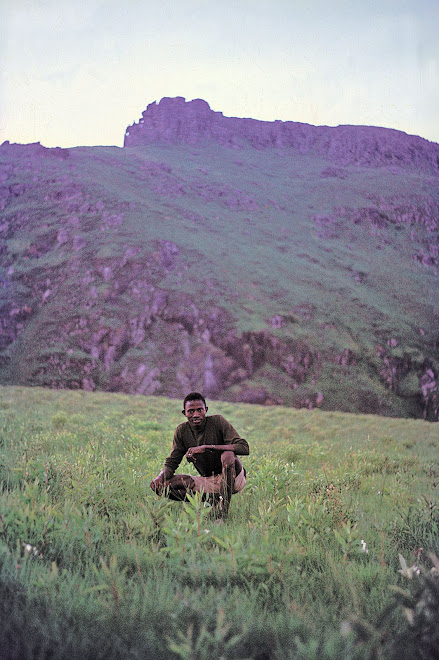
{"points": [[410, 615], [435, 560], [31, 550], [345, 628], [408, 572], [364, 546]]}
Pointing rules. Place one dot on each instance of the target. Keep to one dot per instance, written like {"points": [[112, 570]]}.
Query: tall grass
{"points": [[307, 566]]}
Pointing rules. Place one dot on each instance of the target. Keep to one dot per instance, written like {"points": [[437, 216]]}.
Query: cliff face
{"points": [[303, 274], [176, 121]]}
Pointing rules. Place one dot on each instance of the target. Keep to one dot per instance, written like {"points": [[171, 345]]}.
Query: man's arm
{"points": [[205, 448], [171, 463], [232, 441], [231, 438]]}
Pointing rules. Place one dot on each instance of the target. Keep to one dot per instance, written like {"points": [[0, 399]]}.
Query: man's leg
{"points": [[230, 464]]}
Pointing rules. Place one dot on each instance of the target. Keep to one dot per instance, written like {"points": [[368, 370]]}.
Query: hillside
{"points": [[259, 262]]}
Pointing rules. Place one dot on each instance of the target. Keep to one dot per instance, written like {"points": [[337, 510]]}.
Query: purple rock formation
{"points": [[33, 149], [176, 121]]}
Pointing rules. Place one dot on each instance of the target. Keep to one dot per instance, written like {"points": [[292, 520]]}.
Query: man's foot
{"points": [[217, 511]]}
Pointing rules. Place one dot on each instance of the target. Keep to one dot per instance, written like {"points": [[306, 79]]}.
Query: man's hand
{"points": [[159, 483], [192, 452]]}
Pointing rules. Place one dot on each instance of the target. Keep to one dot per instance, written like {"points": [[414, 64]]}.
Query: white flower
{"points": [[345, 628], [31, 550], [408, 572]]}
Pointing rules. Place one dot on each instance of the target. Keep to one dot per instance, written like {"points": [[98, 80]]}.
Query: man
{"points": [[213, 446]]}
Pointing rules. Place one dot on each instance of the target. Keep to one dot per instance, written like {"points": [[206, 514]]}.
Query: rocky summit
{"points": [[176, 121], [264, 262]]}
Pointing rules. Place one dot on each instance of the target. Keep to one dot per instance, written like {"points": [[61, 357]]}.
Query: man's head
{"points": [[195, 409]]}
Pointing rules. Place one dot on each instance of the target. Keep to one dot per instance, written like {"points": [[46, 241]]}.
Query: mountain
{"points": [[266, 262]]}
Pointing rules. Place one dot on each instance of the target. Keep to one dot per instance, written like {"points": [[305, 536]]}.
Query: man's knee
{"points": [[181, 481], [228, 459]]}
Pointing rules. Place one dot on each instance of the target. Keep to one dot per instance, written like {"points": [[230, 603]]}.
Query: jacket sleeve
{"points": [[232, 437], [178, 450]]}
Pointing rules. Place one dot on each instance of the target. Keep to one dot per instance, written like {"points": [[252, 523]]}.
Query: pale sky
{"points": [[78, 72]]}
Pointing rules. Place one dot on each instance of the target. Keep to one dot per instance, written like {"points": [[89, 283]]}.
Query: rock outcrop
{"points": [[176, 121]]}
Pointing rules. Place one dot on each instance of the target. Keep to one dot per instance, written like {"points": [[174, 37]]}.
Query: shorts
{"points": [[213, 484]]}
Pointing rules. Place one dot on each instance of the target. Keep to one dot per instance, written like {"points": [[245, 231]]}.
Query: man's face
{"points": [[195, 412]]}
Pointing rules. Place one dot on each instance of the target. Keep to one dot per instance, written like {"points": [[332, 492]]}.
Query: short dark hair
{"points": [[193, 396]]}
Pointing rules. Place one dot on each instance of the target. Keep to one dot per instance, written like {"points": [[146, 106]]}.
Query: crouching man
{"points": [[213, 446]]}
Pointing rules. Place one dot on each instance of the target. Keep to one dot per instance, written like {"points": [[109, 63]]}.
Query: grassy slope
{"points": [[254, 262], [233, 252], [126, 575]]}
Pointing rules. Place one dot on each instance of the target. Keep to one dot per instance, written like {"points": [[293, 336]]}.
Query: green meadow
{"points": [[328, 553]]}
